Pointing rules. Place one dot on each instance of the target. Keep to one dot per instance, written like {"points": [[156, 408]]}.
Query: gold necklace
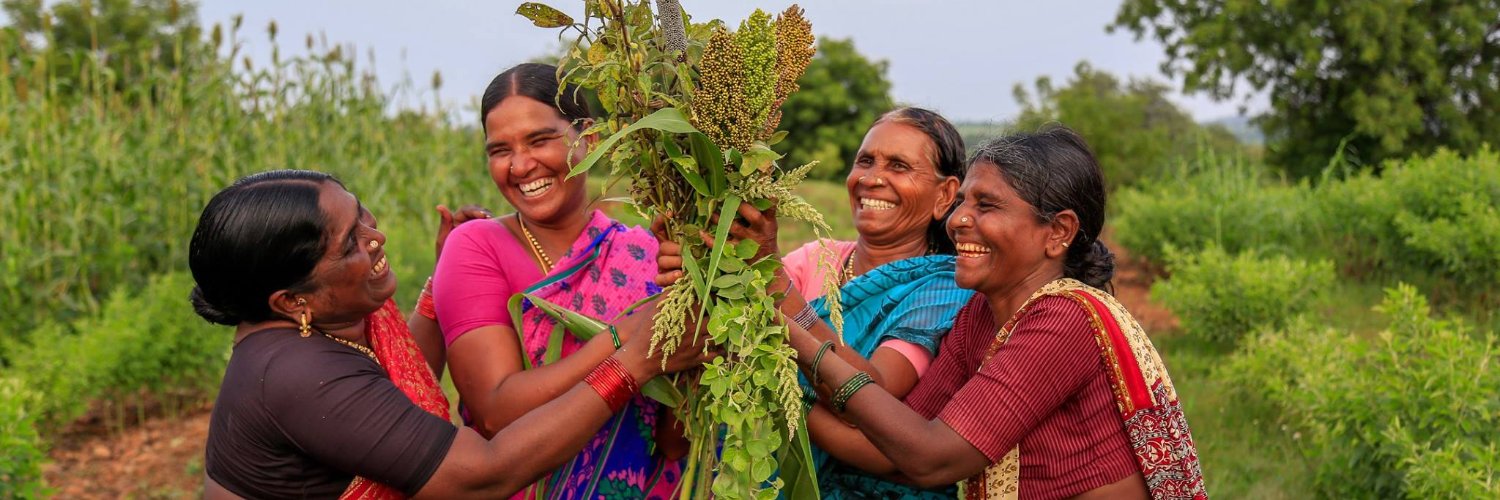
{"points": [[536, 248], [849, 268], [356, 347]]}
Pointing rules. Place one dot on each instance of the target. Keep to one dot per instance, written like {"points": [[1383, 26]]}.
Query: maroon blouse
{"points": [[1045, 388]]}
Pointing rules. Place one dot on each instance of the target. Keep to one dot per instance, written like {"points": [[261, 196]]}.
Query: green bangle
{"points": [[851, 386], [818, 359], [614, 335]]}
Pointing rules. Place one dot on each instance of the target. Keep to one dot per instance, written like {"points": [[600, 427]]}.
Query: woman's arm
{"points": [[429, 338], [486, 368], [426, 331], [928, 452]]}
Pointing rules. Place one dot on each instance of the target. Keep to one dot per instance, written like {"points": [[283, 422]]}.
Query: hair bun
{"points": [[1095, 267], [207, 310]]}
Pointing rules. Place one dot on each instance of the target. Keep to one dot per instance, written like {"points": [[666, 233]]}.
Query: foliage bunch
{"points": [[1411, 412], [690, 117], [22, 452], [1386, 78], [1223, 297]]}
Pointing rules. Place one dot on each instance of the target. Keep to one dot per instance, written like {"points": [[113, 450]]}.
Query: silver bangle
{"points": [[806, 318]]}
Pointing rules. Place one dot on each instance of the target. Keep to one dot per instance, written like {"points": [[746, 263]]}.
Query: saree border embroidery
{"points": [[1156, 427]]}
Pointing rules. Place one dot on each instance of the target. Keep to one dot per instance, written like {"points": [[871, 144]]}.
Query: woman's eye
{"points": [[864, 162], [540, 142], [499, 153]]}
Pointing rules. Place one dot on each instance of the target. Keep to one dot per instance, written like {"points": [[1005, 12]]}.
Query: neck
{"points": [[556, 236], [872, 254], [353, 332], [1006, 300]]}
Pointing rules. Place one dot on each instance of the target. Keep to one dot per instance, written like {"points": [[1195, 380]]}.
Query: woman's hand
{"points": [[751, 224], [449, 220], [635, 336]]}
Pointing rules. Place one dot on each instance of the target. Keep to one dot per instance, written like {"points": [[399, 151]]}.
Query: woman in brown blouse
{"points": [[326, 394]]}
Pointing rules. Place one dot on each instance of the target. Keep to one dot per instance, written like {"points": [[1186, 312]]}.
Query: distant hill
{"points": [[1242, 129]]}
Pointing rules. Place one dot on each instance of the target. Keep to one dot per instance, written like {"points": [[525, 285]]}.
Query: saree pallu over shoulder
{"points": [[398, 354], [606, 270], [1143, 393]]}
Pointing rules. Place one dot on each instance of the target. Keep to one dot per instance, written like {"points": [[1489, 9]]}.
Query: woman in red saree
{"points": [[1046, 387], [326, 394]]}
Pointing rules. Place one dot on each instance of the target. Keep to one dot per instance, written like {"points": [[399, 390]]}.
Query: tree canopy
{"points": [[842, 93], [1382, 78], [1134, 130]]}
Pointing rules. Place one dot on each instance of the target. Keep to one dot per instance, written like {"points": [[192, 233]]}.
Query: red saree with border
{"points": [[398, 354], [1154, 423]]}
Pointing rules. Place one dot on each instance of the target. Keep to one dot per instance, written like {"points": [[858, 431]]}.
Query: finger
{"points": [[751, 216], [471, 212], [444, 216], [669, 248], [659, 226], [708, 238], [669, 262], [668, 278]]}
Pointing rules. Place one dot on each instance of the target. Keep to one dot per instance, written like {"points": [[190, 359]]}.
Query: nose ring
{"points": [[374, 244]]}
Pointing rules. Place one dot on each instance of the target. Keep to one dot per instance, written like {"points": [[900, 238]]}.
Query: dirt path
{"points": [[164, 457]]}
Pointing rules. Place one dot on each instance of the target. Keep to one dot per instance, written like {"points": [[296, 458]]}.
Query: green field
{"points": [[102, 187]]}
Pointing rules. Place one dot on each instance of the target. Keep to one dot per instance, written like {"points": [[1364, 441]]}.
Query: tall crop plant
{"points": [[101, 189], [691, 112]]}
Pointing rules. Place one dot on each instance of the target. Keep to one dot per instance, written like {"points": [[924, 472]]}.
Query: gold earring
{"points": [[305, 329], [1065, 244]]}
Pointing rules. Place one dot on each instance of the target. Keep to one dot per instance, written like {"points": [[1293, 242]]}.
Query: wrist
{"points": [[614, 383], [637, 364]]}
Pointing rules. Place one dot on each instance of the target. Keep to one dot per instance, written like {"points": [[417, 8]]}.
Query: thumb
{"points": [[445, 217]]}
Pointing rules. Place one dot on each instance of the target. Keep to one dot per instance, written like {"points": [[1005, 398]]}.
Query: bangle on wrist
{"points": [[806, 317], [614, 336], [613, 383], [424, 302], [851, 386], [818, 360]]}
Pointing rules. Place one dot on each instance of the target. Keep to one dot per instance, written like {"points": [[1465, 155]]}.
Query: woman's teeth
{"points": [[379, 267], [870, 204], [972, 249], [537, 187]]}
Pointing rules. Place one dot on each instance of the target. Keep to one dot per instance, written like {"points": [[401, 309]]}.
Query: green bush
{"points": [[1419, 216], [1223, 297], [1219, 200], [146, 346], [1410, 412], [21, 451]]}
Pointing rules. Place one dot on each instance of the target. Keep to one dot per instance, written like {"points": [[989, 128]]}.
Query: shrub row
{"points": [[1223, 297], [1421, 220], [1411, 412]]}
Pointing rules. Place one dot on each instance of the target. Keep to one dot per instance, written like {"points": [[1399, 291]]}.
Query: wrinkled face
{"points": [[1001, 241], [895, 189], [353, 279], [530, 147]]}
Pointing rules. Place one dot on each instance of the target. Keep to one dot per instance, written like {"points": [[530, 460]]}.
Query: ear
{"points": [[288, 305], [947, 192], [1060, 233]]}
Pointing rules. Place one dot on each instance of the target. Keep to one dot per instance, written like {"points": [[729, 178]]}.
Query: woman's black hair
{"points": [[948, 146], [266, 232], [539, 82], [1054, 170]]}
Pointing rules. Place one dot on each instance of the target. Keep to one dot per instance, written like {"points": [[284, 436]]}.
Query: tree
{"points": [[842, 94], [131, 40], [1134, 130], [1390, 77]]}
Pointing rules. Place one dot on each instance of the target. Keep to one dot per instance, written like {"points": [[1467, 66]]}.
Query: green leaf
{"points": [[727, 281], [797, 466], [584, 328], [759, 157], [544, 16], [710, 159], [732, 265], [776, 138], [721, 235], [746, 249], [687, 166], [665, 119]]}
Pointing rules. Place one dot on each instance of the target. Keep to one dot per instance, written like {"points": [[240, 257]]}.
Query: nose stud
{"points": [[374, 244], [965, 219]]}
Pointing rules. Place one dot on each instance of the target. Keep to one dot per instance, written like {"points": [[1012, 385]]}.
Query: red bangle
{"points": [[613, 383], [424, 302]]}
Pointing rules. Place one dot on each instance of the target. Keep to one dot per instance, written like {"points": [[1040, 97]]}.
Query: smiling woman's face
{"points": [[895, 189], [530, 148], [353, 279], [1001, 241]]}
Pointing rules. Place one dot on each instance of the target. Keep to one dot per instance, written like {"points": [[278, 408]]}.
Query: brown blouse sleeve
{"points": [[1049, 357], [338, 406]]}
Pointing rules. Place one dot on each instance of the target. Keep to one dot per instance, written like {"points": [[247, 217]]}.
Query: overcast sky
{"points": [[959, 57]]}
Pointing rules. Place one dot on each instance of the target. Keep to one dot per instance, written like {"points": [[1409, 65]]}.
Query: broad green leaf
{"points": [[732, 265], [665, 119], [543, 15], [687, 166], [776, 138], [710, 161], [584, 328], [746, 249], [797, 467], [759, 157]]}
